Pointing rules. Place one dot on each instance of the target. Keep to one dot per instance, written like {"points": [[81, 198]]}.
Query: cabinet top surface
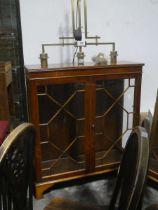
{"points": [[87, 66]]}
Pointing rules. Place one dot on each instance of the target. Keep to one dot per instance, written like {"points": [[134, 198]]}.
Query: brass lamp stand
{"points": [[79, 39]]}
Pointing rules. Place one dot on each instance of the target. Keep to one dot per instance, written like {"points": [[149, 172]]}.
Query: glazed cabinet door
{"points": [[61, 111], [115, 110]]}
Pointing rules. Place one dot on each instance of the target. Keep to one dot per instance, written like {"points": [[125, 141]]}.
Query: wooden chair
{"points": [[130, 180], [16, 169], [150, 123]]}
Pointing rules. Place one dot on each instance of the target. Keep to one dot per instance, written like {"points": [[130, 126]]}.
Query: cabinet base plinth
{"points": [[41, 188]]}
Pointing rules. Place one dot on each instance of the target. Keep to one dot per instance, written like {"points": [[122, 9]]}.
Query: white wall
{"points": [[132, 25]]}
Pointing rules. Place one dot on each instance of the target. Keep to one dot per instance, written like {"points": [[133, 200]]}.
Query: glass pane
{"points": [[62, 121], [128, 105], [114, 118]]}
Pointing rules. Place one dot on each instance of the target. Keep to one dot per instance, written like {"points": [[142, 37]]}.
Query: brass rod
{"points": [[66, 37], [85, 17], [89, 37], [58, 44], [93, 37], [74, 44], [73, 15], [79, 12], [87, 43], [102, 43], [42, 48]]}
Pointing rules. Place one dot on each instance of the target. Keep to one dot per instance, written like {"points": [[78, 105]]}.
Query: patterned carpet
{"points": [[94, 193]]}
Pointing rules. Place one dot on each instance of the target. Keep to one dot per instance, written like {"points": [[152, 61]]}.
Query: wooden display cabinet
{"points": [[83, 115]]}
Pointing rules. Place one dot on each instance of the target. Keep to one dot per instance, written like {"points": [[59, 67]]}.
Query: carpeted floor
{"points": [[94, 192]]}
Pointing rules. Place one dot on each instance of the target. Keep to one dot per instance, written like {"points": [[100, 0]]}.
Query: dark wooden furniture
{"points": [[4, 130], [82, 114], [151, 126], [5, 90], [11, 49], [16, 169], [130, 181]]}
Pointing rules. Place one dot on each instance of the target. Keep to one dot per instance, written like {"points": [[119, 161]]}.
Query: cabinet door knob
{"points": [[93, 126]]}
